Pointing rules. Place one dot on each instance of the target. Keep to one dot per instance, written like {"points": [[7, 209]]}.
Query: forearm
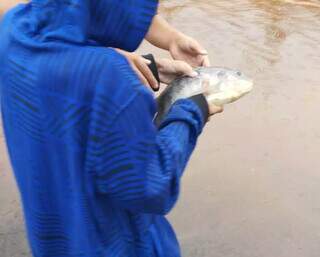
{"points": [[148, 179], [161, 33], [5, 5]]}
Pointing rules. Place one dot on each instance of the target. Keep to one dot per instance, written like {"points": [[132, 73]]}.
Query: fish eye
{"points": [[239, 73]]}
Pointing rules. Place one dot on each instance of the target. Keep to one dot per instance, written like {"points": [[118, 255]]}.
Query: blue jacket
{"points": [[96, 176]]}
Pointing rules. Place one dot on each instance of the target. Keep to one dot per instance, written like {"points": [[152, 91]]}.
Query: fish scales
{"points": [[224, 86]]}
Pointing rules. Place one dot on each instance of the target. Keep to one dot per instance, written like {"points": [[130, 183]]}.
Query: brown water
{"points": [[252, 188]]}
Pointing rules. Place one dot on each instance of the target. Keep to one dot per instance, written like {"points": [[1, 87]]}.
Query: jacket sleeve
{"points": [[143, 165], [121, 24]]}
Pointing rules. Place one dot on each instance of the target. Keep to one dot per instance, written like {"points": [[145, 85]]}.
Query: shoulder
{"points": [[118, 84], [95, 75]]}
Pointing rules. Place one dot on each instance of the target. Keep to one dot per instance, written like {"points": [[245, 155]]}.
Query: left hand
{"points": [[140, 67], [171, 69], [187, 49]]}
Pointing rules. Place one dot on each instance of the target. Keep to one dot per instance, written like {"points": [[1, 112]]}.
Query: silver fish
{"points": [[225, 85]]}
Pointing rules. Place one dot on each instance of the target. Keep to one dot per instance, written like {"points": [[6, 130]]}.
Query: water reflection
{"points": [[253, 35], [252, 157]]}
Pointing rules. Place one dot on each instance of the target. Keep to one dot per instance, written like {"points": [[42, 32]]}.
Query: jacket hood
{"points": [[111, 23]]}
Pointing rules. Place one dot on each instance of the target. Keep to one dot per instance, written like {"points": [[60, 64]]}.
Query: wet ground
{"points": [[252, 188]]}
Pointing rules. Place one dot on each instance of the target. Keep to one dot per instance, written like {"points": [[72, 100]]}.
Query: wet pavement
{"points": [[252, 188]]}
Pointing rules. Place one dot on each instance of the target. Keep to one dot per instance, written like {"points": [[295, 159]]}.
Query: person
{"points": [[96, 177], [6, 5], [164, 36], [181, 47]]}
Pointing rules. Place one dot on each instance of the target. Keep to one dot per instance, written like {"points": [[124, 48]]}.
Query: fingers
{"points": [[183, 68], [213, 109], [171, 69], [146, 61], [140, 67], [196, 48], [206, 85], [143, 80], [206, 61], [207, 92], [202, 54], [145, 72]]}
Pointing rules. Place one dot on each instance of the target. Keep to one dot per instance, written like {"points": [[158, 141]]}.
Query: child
{"points": [[96, 176]]}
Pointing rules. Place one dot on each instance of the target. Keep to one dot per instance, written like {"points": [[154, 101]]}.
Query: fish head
{"points": [[227, 85], [237, 81], [227, 79]]}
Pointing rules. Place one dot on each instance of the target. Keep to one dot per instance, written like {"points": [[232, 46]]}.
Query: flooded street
{"points": [[252, 188]]}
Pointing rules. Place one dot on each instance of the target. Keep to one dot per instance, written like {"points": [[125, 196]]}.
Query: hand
{"points": [[140, 66], [171, 69], [161, 34], [213, 109], [189, 50], [8, 4]]}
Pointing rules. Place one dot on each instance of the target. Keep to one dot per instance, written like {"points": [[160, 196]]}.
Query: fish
{"points": [[225, 86]]}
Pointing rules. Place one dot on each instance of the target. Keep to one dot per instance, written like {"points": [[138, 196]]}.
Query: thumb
{"points": [[205, 84], [196, 48]]}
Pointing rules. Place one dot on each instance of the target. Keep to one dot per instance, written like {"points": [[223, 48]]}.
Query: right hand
{"points": [[171, 69], [187, 49], [213, 109]]}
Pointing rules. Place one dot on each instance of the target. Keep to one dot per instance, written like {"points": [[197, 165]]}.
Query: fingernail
{"points": [[155, 87], [147, 61]]}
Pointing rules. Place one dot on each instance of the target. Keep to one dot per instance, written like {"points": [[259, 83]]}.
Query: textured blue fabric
{"points": [[96, 176]]}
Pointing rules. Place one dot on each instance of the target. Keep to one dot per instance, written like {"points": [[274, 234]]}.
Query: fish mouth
{"points": [[247, 86], [250, 83]]}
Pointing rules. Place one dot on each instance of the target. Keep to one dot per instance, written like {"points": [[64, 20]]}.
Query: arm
{"points": [[5, 5], [168, 69], [133, 163], [142, 171], [161, 34]]}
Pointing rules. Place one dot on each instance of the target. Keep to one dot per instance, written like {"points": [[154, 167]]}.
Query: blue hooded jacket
{"points": [[96, 177]]}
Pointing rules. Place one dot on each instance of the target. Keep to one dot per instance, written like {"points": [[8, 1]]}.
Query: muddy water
{"points": [[252, 188]]}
